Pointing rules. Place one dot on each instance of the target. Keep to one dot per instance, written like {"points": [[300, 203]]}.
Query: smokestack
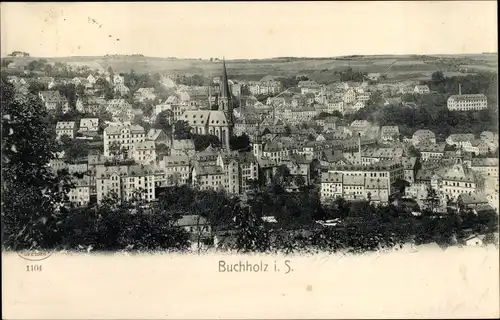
{"points": [[209, 97], [459, 89], [359, 147]]}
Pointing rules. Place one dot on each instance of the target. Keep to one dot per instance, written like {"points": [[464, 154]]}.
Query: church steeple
{"points": [[225, 95]]}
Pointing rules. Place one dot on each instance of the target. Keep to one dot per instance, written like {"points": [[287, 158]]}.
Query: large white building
{"points": [[122, 137], [467, 102], [125, 182], [144, 152], [452, 181], [79, 194], [65, 128], [176, 169], [354, 187], [391, 170], [486, 167]]}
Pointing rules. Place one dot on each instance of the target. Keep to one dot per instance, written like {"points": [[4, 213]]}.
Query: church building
{"points": [[219, 122]]}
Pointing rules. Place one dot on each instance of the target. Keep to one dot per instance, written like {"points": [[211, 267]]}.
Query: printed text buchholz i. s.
{"points": [[260, 266]]}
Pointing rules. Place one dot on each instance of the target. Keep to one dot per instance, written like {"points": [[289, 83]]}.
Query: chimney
{"points": [[459, 89], [209, 97], [359, 148]]}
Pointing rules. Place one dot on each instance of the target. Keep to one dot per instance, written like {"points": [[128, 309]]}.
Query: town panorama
{"points": [[350, 153]]}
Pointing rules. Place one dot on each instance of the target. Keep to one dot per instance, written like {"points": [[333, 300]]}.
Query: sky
{"points": [[245, 30]]}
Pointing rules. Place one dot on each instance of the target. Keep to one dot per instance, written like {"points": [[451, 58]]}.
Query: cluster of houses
{"points": [[357, 161]]}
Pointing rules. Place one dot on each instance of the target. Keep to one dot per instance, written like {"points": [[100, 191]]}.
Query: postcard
{"points": [[250, 160]]}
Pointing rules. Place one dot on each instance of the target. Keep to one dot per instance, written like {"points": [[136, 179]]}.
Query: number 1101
{"points": [[33, 267]]}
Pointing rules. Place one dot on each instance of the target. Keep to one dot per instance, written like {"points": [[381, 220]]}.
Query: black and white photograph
{"points": [[254, 138]]}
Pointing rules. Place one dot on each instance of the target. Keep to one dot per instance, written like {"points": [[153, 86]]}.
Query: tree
{"points": [[251, 235], [288, 131], [6, 62], [241, 143], [245, 91], [115, 148], [202, 141], [77, 149], [68, 91], [32, 193], [108, 93], [401, 185], [147, 109], [300, 181], [438, 78], [163, 121], [282, 174], [80, 90], [413, 152], [101, 83], [432, 200], [375, 98], [182, 130], [35, 87]]}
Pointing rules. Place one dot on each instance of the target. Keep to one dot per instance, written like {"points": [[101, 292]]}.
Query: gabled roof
{"points": [[330, 177], [409, 162], [484, 162], [376, 183], [65, 125], [209, 170], [153, 134], [353, 180], [468, 97], [191, 220], [144, 145], [424, 133], [474, 198], [184, 144], [175, 160]]}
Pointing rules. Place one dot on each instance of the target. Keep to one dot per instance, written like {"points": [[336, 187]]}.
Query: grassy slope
{"points": [[402, 66]]}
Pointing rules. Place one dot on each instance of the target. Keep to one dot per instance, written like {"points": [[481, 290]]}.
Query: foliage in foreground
{"points": [[33, 218]]}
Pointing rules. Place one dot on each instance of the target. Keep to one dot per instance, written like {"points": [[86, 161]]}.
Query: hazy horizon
{"points": [[253, 31], [261, 58]]}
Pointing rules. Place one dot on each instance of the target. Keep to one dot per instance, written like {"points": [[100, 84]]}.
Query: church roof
{"points": [[217, 118], [205, 117]]}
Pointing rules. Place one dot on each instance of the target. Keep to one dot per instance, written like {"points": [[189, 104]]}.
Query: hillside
{"points": [[397, 66]]}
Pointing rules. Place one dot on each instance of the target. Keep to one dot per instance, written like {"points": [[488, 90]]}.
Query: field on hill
{"points": [[319, 69]]}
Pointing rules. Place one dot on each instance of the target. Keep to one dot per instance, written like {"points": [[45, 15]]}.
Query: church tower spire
{"points": [[225, 95]]}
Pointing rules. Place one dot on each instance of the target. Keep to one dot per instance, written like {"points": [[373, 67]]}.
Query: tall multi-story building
{"points": [[467, 102], [354, 187], [125, 182], [144, 152], [109, 181], [122, 137], [65, 128], [390, 170], [209, 177], [331, 186], [486, 167], [79, 194], [248, 167], [176, 169], [452, 181], [140, 179]]}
